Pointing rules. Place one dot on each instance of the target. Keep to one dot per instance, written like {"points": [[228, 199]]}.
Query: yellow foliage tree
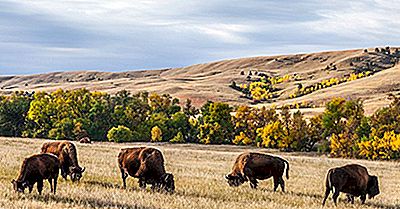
{"points": [[271, 134], [343, 145], [386, 147]]}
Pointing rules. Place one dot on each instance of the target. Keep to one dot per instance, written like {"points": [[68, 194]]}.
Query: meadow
{"points": [[199, 179]]}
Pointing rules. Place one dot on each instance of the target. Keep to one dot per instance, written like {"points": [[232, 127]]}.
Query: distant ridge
{"points": [[210, 81]]}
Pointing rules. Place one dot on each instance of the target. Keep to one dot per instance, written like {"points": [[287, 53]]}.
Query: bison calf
{"points": [[353, 180], [34, 170], [66, 152], [146, 164], [250, 166]]}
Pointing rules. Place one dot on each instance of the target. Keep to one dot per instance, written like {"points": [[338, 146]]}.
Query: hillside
{"points": [[210, 81]]}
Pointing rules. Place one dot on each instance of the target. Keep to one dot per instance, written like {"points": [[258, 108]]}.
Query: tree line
{"points": [[343, 130]]}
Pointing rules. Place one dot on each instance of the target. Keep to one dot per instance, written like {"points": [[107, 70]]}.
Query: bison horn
{"points": [[83, 169], [227, 177]]}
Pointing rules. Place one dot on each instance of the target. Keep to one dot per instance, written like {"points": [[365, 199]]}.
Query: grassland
{"points": [[210, 81], [198, 171]]}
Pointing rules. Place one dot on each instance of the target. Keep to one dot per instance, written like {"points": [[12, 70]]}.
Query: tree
{"points": [[297, 138], [332, 117], [179, 123], [189, 109], [245, 123], [315, 133], [271, 134], [215, 123], [13, 111]]}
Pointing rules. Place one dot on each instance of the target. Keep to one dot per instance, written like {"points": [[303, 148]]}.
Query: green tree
{"points": [[216, 124], [119, 134], [13, 111]]}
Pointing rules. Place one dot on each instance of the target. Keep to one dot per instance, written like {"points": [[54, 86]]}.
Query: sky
{"points": [[39, 36]]}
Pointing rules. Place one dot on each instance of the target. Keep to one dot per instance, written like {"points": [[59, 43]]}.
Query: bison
{"points": [[35, 169], [66, 152], [146, 164], [251, 166], [85, 140], [353, 180]]}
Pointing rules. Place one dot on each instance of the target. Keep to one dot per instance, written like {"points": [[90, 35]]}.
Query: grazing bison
{"points": [[146, 164], [35, 169], [250, 166], [353, 180], [66, 152], [85, 140]]}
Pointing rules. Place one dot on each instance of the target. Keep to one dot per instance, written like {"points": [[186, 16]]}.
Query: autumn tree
{"points": [[216, 125]]}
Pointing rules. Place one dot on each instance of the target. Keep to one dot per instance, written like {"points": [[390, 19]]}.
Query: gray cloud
{"points": [[44, 35]]}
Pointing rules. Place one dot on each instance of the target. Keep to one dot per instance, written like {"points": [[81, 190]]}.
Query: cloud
{"points": [[44, 35]]}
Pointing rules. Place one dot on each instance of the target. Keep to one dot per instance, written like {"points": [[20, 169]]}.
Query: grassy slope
{"points": [[198, 171], [210, 81]]}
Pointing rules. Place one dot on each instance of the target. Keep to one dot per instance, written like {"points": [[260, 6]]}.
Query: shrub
{"points": [[119, 134], [178, 138], [242, 139], [156, 134]]}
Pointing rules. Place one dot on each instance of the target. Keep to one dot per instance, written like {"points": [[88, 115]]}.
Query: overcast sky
{"points": [[39, 36]]}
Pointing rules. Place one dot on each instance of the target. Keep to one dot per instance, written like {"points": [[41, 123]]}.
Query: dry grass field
{"points": [[210, 81], [198, 171]]}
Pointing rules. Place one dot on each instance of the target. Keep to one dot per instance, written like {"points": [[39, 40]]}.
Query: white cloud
{"points": [[126, 34]]}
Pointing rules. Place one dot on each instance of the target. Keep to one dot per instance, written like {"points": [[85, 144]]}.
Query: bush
{"points": [[178, 138], [242, 139], [119, 134], [156, 134]]}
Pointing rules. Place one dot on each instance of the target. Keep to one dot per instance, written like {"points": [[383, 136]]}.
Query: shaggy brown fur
{"points": [[35, 169], [250, 166], [146, 164], [353, 180], [66, 152]]}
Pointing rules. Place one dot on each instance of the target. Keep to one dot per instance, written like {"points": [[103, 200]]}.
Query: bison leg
{"points": [[30, 187], [40, 186], [142, 183], [350, 198], [362, 198], [253, 183], [124, 176], [282, 183], [327, 192], [51, 184], [276, 183], [335, 195], [64, 174], [55, 184]]}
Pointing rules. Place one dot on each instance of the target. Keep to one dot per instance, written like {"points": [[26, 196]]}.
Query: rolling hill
{"points": [[211, 81]]}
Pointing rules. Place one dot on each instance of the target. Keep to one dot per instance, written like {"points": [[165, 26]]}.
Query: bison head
{"points": [[168, 183], [76, 173], [19, 186], [235, 180], [373, 187]]}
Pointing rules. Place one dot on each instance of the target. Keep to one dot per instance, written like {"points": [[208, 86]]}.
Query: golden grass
{"points": [[210, 81], [198, 171]]}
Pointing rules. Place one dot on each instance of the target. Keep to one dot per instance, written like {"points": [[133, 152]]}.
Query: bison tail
{"points": [[328, 180], [287, 169]]}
